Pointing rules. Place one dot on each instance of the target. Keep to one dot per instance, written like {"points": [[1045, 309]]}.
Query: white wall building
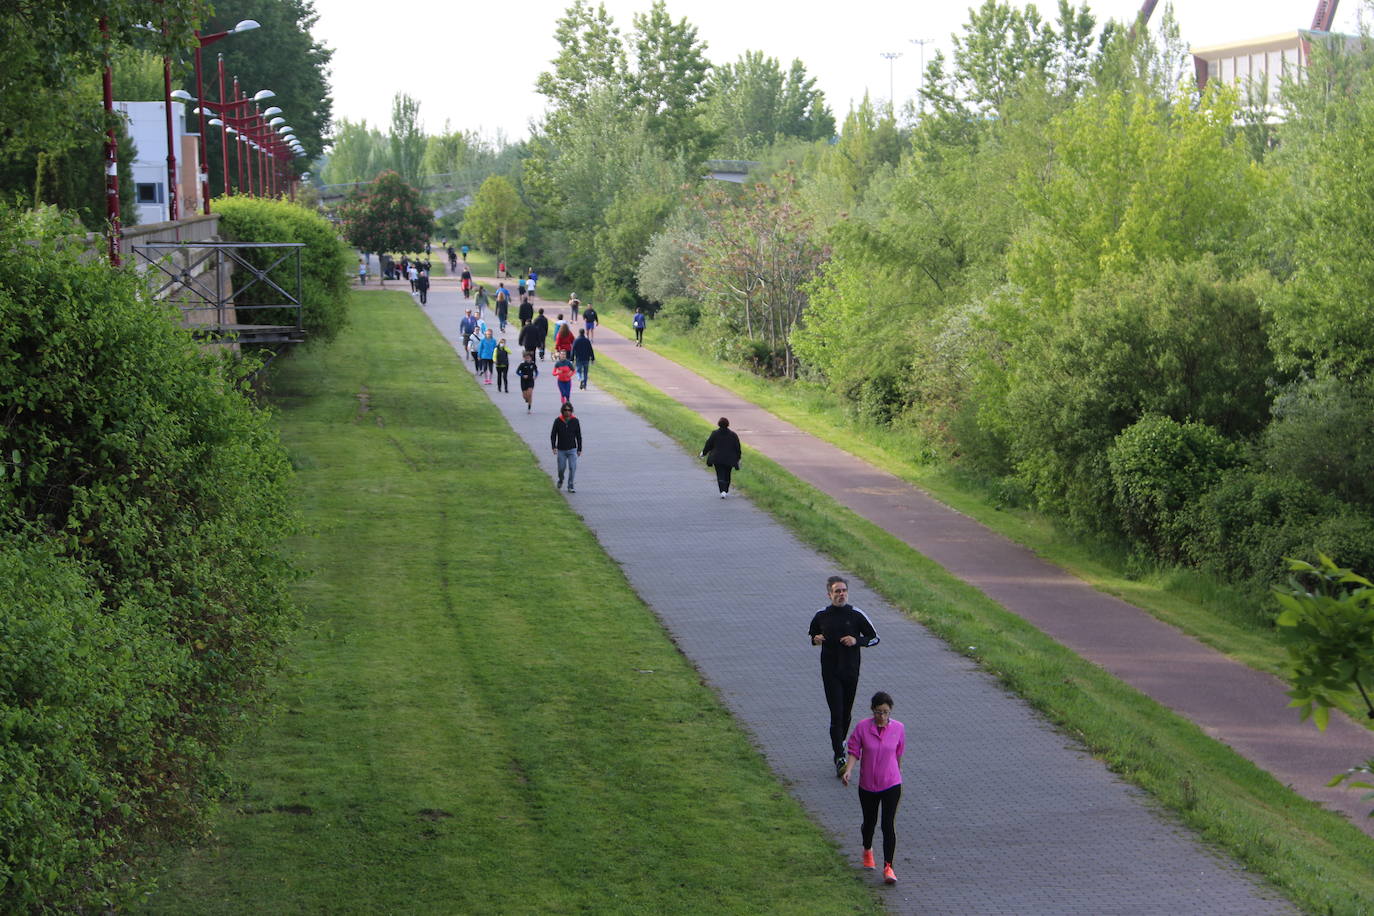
{"points": [[1259, 66], [147, 124]]}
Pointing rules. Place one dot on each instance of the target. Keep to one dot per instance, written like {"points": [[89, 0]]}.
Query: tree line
{"points": [[1064, 270]]}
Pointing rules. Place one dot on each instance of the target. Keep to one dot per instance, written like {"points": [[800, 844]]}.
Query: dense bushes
{"points": [[142, 503], [326, 262]]}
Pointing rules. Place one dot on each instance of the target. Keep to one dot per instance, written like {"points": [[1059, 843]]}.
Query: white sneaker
{"points": [[722, 494]]}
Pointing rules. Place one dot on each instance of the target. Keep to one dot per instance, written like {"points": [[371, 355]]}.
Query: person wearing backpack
{"points": [[502, 366]]}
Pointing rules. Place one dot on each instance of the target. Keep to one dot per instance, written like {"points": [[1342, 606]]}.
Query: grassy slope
{"points": [[1317, 857], [484, 717]]}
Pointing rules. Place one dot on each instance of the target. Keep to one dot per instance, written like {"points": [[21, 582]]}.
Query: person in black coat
{"points": [[541, 331], [722, 451], [526, 312]]}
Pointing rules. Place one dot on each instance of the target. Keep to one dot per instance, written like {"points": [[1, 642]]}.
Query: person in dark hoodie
{"points": [[566, 439], [722, 452], [541, 331], [583, 356], [842, 631]]}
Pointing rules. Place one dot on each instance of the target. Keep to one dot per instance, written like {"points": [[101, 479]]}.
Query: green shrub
{"points": [[1178, 341], [1244, 526], [1158, 467], [70, 720], [1323, 433], [130, 454], [327, 263]]}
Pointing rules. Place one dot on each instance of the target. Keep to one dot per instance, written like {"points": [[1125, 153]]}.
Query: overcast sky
{"points": [[475, 64]]}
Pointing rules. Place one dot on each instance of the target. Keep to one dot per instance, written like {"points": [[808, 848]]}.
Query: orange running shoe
{"points": [[889, 876], [868, 859]]}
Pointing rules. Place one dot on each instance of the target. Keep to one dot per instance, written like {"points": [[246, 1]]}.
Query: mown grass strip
{"points": [[1222, 616], [485, 718], [1317, 857]]}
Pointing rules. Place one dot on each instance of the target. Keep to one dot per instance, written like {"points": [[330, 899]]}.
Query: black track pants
{"points": [[869, 802], [839, 696]]}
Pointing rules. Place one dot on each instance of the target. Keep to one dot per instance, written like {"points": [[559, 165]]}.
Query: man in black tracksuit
{"points": [[841, 630]]}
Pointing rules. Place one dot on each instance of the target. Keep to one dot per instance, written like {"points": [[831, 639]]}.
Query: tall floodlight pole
{"points": [[921, 77], [891, 84]]}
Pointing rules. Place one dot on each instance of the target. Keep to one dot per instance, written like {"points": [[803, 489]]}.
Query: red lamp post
{"points": [[202, 42]]}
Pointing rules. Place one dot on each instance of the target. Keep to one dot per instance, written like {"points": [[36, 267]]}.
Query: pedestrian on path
{"points": [[422, 285], [589, 319], [486, 356], [842, 631], [574, 304], [502, 305], [563, 372], [480, 298], [878, 745], [638, 321], [467, 285], [541, 331], [466, 249], [502, 366], [362, 272], [466, 326], [583, 357], [413, 274], [722, 452], [501, 272], [566, 439], [563, 338], [533, 281], [521, 287], [527, 372]]}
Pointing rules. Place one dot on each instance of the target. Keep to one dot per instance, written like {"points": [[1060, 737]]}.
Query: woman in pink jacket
{"points": [[879, 743]]}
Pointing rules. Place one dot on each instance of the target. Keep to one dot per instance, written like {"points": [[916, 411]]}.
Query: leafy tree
{"points": [[669, 79], [387, 216], [1329, 633], [751, 103], [407, 137], [1329, 630], [1132, 183], [868, 142], [1175, 340], [498, 219], [1322, 318], [358, 153], [753, 267], [51, 47], [591, 60]]}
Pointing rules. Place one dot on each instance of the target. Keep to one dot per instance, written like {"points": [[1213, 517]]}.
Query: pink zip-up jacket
{"points": [[879, 752]]}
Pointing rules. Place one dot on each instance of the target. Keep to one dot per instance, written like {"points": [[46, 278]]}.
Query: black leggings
{"points": [[723, 477], [502, 382], [839, 696], [869, 802]]}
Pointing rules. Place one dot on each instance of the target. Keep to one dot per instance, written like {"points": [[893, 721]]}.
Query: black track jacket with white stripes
{"points": [[836, 622]]}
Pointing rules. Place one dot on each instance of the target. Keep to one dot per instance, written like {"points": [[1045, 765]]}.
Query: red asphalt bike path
{"points": [[1233, 703]]}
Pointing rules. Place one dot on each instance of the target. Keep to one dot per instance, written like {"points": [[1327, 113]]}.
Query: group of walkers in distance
{"points": [[841, 631]]}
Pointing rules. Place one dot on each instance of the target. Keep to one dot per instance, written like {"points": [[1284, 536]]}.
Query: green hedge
{"points": [[142, 504], [326, 263]]}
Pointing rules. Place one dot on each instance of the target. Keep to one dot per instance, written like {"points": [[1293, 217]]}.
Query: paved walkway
{"points": [[1000, 812], [1246, 709]]}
